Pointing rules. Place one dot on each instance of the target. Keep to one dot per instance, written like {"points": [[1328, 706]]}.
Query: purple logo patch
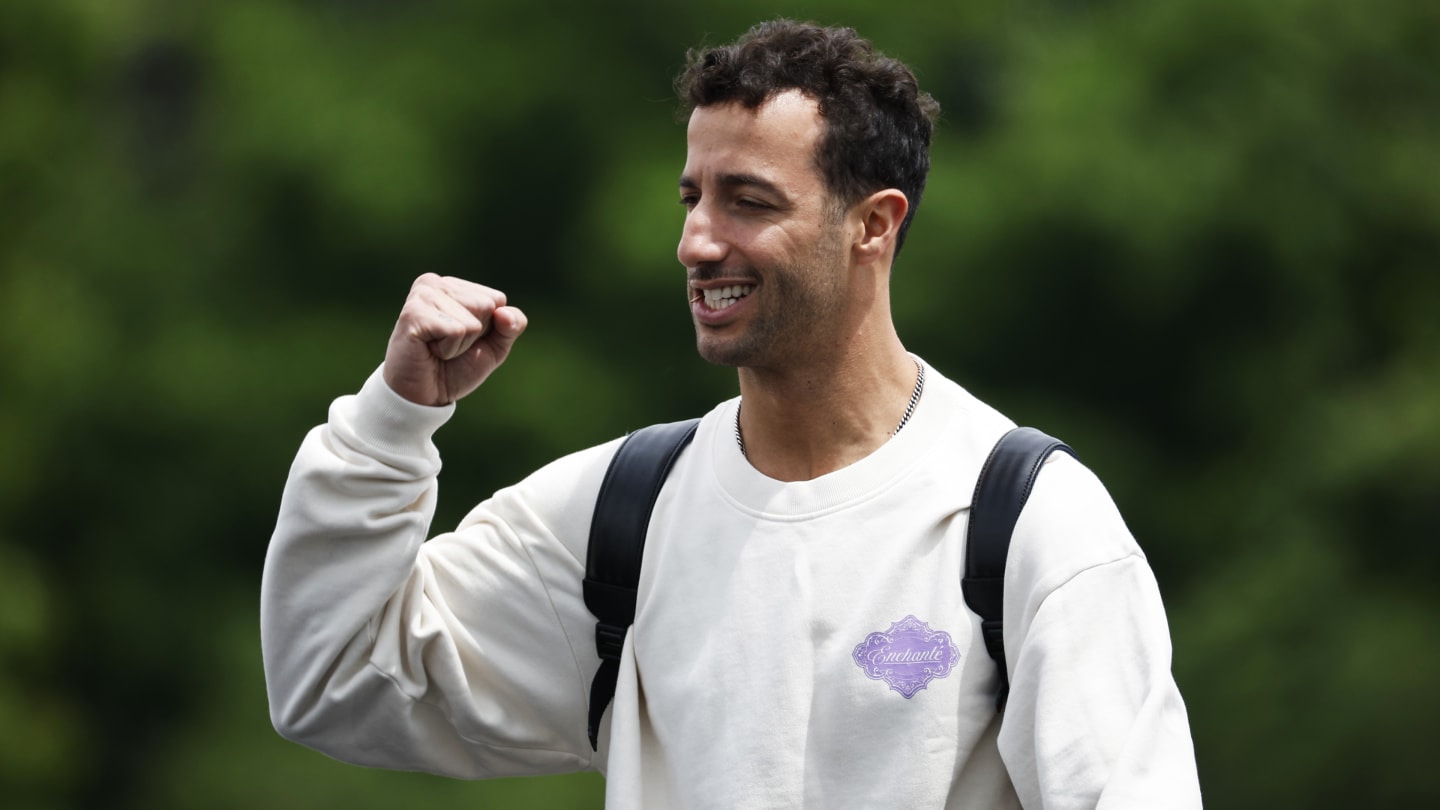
{"points": [[908, 656]]}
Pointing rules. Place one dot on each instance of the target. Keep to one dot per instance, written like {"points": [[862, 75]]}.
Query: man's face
{"points": [[763, 243]]}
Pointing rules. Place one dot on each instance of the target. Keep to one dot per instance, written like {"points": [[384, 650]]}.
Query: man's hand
{"points": [[450, 336]]}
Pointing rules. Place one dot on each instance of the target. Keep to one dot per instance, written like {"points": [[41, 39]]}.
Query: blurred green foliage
{"points": [[1200, 240]]}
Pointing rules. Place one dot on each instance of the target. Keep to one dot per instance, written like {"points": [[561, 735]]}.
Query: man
{"points": [[814, 520]]}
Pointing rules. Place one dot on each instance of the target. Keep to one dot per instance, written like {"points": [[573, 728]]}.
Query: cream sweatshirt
{"points": [[795, 644]]}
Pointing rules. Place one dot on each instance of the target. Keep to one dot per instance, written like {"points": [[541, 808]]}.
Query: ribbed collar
{"points": [[757, 494]]}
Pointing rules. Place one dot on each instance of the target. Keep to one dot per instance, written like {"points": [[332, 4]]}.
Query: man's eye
{"points": [[746, 202], [689, 201]]}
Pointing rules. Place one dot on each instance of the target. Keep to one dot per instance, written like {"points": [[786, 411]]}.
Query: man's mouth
{"points": [[725, 297]]}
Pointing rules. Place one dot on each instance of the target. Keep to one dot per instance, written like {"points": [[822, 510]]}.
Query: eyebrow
{"points": [[739, 180]]}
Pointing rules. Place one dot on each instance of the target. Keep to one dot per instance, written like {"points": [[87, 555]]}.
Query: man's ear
{"points": [[880, 216]]}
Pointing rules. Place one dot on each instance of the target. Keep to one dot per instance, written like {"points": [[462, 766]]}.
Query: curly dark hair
{"points": [[878, 123]]}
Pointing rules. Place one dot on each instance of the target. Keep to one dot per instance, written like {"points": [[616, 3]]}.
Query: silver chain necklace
{"points": [[909, 408]]}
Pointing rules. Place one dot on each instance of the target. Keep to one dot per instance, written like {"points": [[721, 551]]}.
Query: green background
{"points": [[1199, 239]]}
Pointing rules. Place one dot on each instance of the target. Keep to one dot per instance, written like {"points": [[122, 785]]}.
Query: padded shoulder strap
{"points": [[617, 546], [1000, 493]]}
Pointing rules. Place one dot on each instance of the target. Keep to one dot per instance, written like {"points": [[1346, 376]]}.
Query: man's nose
{"points": [[699, 241]]}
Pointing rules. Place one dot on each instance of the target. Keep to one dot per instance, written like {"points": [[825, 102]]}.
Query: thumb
{"points": [[506, 324]]}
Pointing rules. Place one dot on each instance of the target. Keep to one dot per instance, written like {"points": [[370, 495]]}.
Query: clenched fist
{"points": [[450, 336]]}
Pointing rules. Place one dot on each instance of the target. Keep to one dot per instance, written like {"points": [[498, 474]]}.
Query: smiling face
{"points": [[764, 243]]}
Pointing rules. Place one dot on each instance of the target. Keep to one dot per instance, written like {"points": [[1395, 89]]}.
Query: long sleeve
{"points": [[1094, 718], [452, 656]]}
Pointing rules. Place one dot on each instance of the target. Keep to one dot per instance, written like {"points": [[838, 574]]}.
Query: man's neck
{"points": [[801, 423]]}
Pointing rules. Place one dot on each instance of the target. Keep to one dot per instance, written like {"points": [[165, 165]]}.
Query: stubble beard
{"points": [[801, 304]]}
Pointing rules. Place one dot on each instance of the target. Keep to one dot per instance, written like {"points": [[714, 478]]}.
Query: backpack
{"points": [[638, 471]]}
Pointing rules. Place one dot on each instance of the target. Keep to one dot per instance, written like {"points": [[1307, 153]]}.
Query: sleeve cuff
{"points": [[387, 421]]}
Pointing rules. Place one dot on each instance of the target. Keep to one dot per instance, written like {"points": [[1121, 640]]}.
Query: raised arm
{"points": [[451, 656]]}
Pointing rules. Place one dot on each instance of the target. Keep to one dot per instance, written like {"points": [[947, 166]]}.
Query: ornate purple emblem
{"points": [[907, 656]]}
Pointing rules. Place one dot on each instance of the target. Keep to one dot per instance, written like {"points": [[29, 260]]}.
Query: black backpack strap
{"points": [[617, 546], [1000, 493]]}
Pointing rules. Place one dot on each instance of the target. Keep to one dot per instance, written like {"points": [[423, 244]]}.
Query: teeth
{"points": [[726, 296]]}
